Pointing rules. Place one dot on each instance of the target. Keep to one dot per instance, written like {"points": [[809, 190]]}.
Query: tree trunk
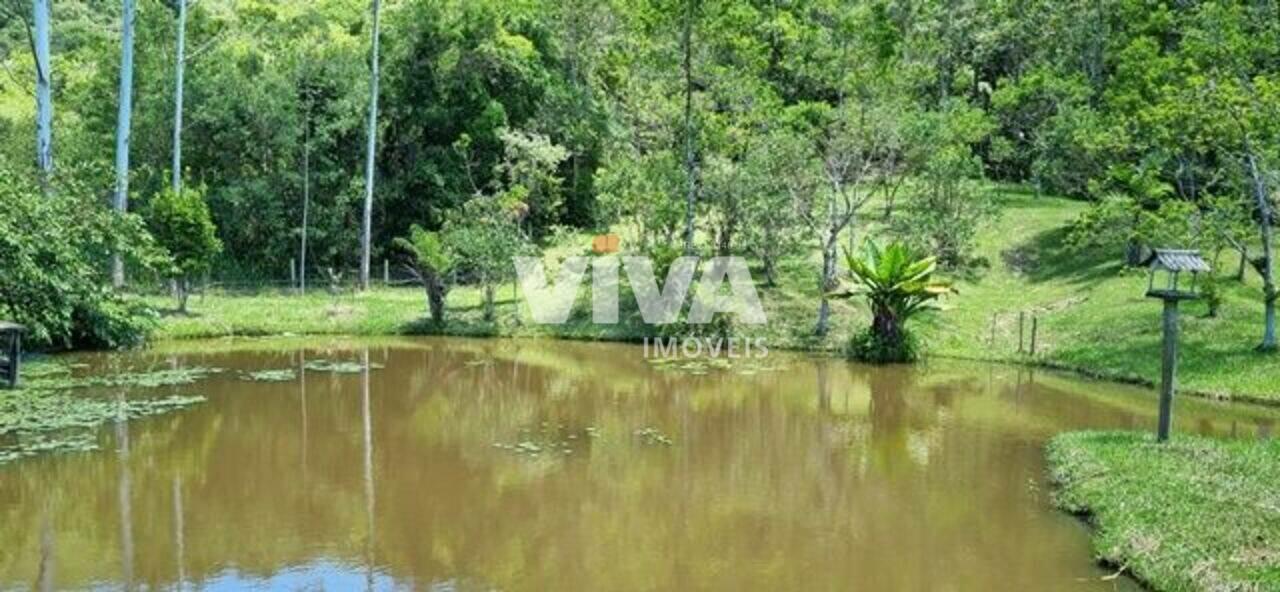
{"points": [[690, 158], [488, 302], [124, 117], [44, 91], [306, 199], [1133, 253], [1266, 263], [179, 71], [435, 298], [1244, 262], [827, 282], [366, 227], [724, 242], [770, 271], [183, 291], [886, 327]]}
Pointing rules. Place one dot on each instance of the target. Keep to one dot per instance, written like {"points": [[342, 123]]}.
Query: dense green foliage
{"points": [[180, 222], [53, 251], [1191, 515], [750, 127]]}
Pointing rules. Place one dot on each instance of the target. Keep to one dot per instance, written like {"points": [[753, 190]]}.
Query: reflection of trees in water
{"points": [[369, 491], [406, 454], [888, 416]]}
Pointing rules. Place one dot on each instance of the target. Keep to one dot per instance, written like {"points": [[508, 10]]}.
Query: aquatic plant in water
{"points": [[549, 438], [53, 378], [284, 375], [339, 367], [34, 421], [653, 436]]}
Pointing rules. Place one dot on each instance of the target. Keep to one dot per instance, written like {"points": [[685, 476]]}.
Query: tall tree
{"points": [[179, 72], [691, 8], [124, 119], [44, 90], [306, 191], [366, 229]]}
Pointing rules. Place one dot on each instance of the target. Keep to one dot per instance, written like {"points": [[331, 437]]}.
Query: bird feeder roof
{"points": [[1177, 260], [7, 327]]}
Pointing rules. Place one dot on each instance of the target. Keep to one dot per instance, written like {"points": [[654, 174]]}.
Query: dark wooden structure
{"points": [[1172, 264], [10, 352]]}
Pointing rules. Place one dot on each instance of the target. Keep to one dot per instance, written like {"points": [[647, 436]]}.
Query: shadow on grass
{"points": [[175, 313], [1049, 256]]}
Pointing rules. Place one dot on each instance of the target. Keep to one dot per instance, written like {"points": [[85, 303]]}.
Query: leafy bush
{"points": [[53, 262], [870, 346], [432, 265], [182, 223]]}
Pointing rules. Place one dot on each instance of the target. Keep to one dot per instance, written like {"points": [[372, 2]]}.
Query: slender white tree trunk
{"points": [[44, 90], [366, 232], [179, 72], [306, 197], [1266, 267], [123, 123], [690, 150]]}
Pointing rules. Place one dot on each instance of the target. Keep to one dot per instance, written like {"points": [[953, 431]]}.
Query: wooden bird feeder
{"points": [[1171, 264]]}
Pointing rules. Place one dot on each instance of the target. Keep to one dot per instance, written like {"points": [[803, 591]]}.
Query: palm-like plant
{"points": [[430, 262], [897, 284]]}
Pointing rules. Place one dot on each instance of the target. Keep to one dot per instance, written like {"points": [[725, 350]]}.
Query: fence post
{"points": [[386, 272], [1022, 319], [293, 273]]}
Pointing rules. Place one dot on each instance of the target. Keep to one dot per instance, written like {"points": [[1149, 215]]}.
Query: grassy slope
{"points": [[1194, 514], [1093, 317]]}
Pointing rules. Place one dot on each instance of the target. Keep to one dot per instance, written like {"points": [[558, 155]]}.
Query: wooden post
{"points": [[1022, 320], [386, 272], [1169, 371], [1035, 329], [15, 357], [293, 273]]}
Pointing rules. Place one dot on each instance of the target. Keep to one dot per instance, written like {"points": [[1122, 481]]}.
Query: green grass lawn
{"points": [[1093, 316], [1091, 312], [1191, 515]]}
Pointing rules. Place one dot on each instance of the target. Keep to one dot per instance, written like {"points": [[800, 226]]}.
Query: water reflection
{"points": [[801, 473]]}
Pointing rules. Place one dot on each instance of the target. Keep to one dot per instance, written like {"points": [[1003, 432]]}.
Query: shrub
{"points": [[53, 260], [869, 346], [181, 223]]}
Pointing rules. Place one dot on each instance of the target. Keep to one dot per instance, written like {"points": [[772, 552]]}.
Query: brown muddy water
{"points": [[531, 465]]}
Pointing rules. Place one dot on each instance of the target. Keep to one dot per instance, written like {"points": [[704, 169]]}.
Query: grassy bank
{"points": [[1191, 515], [1091, 313]]}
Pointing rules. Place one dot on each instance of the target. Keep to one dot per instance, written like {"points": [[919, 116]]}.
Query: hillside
{"points": [[1092, 315]]}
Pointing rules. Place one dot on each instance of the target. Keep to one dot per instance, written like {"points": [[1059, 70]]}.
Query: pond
{"points": [[533, 465]]}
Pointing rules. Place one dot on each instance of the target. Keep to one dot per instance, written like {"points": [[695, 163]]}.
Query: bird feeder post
{"points": [[1172, 263], [1169, 369]]}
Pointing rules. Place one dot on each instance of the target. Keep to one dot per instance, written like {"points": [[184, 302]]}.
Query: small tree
{"points": [[181, 223], [431, 264], [528, 171], [483, 240], [946, 207], [897, 284]]}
